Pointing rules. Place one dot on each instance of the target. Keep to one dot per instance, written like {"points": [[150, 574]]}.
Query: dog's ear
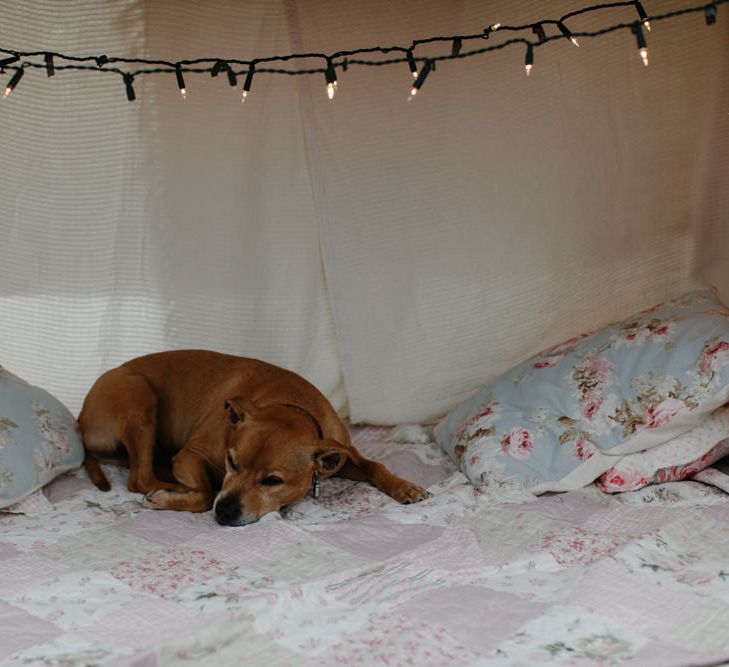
{"points": [[238, 410], [329, 456]]}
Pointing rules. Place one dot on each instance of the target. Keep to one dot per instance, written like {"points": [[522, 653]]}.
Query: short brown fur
{"points": [[242, 434]]}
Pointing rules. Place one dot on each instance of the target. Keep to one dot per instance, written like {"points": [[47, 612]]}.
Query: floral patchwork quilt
{"points": [[353, 578]]}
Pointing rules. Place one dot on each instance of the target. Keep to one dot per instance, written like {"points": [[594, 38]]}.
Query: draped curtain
{"points": [[398, 254]]}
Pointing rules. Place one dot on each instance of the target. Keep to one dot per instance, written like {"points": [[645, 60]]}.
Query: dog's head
{"points": [[273, 455]]}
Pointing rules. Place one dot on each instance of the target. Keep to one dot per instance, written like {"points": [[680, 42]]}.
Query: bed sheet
{"points": [[353, 578]]}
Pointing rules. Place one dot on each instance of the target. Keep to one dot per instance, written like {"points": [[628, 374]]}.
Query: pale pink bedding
{"points": [[352, 578]]}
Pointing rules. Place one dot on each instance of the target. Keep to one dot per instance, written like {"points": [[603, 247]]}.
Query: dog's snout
{"points": [[227, 511]]}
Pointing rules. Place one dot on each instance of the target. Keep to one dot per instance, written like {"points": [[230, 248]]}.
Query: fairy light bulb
{"points": [[495, 26], [247, 83], [529, 61], [10, 87], [567, 33], [331, 77], [421, 79], [412, 64], [180, 82], [642, 44]]}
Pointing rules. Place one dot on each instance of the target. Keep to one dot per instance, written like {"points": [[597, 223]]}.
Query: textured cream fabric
{"points": [[496, 214], [459, 232], [132, 228]]}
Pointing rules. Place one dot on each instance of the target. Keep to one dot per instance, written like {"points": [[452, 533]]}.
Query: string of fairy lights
{"points": [[420, 67]]}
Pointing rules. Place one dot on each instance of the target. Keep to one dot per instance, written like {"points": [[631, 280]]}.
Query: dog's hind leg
{"points": [[138, 438], [122, 408]]}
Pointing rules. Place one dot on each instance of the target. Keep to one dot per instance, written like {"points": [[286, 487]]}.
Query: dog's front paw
{"points": [[155, 500], [407, 492]]}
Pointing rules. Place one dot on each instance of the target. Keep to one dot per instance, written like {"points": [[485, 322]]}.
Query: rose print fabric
{"points": [[38, 439], [566, 416], [579, 579], [677, 459]]}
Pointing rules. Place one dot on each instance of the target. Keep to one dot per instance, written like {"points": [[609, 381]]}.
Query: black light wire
{"points": [[51, 60]]}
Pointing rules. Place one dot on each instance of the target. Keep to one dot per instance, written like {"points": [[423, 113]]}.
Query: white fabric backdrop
{"points": [[132, 228], [459, 233], [496, 214]]}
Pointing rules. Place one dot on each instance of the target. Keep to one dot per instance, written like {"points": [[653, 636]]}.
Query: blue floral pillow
{"points": [[38, 439], [562, 418]]}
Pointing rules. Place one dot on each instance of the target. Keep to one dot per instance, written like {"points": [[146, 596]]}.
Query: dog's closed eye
{"points": [[272, 480]]}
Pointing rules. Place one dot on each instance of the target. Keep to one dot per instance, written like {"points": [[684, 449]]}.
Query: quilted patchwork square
{"points": [[615, 593], [570, 635], [86, 597], [377, 538], [461, 610], [26, 570], [169, 570], [95, 549], [177, 527], [425, 644], [70, 649], [143, 622], [21, 630]]}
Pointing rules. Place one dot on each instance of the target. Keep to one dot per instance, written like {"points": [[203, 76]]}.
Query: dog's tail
{"points": [[95, 472]]}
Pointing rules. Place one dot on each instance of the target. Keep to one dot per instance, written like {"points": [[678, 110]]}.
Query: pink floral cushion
{"points": [[675, 460], [564, 417]]}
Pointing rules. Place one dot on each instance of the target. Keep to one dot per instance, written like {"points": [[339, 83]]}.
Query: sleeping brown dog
{"points": [[243, 436]]}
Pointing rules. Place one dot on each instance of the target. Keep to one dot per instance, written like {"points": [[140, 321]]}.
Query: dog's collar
{"points": [[285, 511], [315, 481], [308, 414]]}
